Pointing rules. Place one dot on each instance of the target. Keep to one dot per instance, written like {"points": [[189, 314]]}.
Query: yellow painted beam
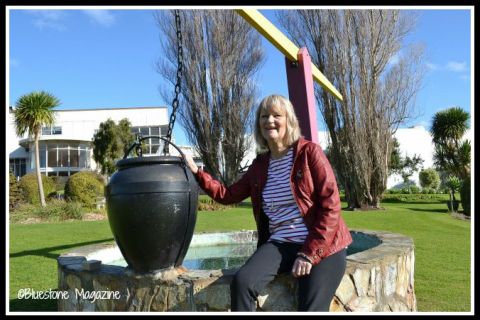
{"points": [[282, 43]]}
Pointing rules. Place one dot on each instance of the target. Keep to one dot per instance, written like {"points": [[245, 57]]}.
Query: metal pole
{"points": [[301, 93]]}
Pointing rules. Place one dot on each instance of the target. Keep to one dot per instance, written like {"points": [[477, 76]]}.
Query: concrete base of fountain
{"points": [[379, 277]]}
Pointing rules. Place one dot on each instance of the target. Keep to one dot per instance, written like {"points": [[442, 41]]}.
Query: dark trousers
{"points": [[315, 291]]}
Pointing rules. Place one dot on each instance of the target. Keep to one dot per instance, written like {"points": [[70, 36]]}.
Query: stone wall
{"points": [[377, 279]]}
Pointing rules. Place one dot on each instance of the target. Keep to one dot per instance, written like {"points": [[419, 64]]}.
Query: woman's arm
{"points": [[234, 193], [325, 215]]}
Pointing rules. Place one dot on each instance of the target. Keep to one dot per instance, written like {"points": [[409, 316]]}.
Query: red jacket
{"points": [[314, 188]]}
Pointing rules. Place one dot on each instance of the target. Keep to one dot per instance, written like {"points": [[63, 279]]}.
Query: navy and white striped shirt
{"points": [[286, 222]]}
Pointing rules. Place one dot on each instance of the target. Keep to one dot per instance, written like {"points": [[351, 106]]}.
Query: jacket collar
{"points": [[298, 145]]}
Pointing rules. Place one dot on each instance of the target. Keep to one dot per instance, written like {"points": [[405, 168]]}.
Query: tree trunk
{"points": [[37, 169]]}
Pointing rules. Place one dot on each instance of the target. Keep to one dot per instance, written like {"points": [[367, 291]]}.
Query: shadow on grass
{"points": [[244, 205], [47, 252], [33, 305], [428, 210], [412, 201]]}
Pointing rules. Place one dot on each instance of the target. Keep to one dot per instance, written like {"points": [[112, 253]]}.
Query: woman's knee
{"points": [[242, 280]]}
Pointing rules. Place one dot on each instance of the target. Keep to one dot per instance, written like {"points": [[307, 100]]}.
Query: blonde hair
{"points": [[293, 128]]}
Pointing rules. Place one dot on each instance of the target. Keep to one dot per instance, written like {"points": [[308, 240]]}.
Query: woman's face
{"points": [[273, 124]]}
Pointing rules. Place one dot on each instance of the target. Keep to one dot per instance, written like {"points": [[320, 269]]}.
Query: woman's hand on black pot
{"points": [[191, 163]]}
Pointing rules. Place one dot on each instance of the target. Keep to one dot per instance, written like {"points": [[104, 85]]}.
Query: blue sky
{"points": [[105, 58]]}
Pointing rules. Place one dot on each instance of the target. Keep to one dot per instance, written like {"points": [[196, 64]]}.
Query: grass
{"points": [[442, 249], [34, 249]]}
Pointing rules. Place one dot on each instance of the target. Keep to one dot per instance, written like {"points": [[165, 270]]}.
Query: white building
{"points": [[65, 147]]}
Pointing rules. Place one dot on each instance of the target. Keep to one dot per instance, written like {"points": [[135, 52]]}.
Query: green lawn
{"points": [[442, 249]]}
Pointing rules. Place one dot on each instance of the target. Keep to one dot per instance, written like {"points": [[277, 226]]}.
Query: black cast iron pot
{"points": [[152, 210]]}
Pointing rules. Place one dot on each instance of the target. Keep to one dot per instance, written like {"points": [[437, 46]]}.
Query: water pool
{"points": [[207, 256], [224, 256]]}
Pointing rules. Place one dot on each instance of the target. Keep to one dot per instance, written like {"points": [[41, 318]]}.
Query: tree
{"points": [[404, 166], [452, 153], [453, 184], [110, 143], [429, 178], [124, 134], [32, 111], [395, 165], [221, 55], [359, 51], [408, 166]]}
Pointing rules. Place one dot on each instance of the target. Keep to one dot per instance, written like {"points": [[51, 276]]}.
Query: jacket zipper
{"points": [[292, 186]]}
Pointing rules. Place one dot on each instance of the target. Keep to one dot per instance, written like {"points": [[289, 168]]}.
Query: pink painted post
{"points": [[301, 94]]}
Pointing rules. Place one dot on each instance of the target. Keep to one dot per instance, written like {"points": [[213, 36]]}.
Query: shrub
{"points": [[72, 210], [59, 182], [406, 190], [393, 191], [57, 210], [414, 189], [453, 184], [412, 198], [205, 203], [15, 193], [22, 212], [465, 196], [84, 187], [29, 187], [428, 191], [429, 178]]}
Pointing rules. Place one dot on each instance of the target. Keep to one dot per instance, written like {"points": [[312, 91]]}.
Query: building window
{"points": [[43, 156], [151, 145], [64, 155], [18, 166], [164, 130], [74, 158], [84, 163], [154, 145], [52, 156], [47, 131], [154, 131]]}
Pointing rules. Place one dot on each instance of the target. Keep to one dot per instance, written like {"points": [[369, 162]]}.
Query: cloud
{"points": [[102, 17], [48, 19], [431, 66], [456, 66]]}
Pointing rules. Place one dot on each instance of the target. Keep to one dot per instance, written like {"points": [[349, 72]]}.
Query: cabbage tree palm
{"points": [[452, 153], [32, 111]]}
